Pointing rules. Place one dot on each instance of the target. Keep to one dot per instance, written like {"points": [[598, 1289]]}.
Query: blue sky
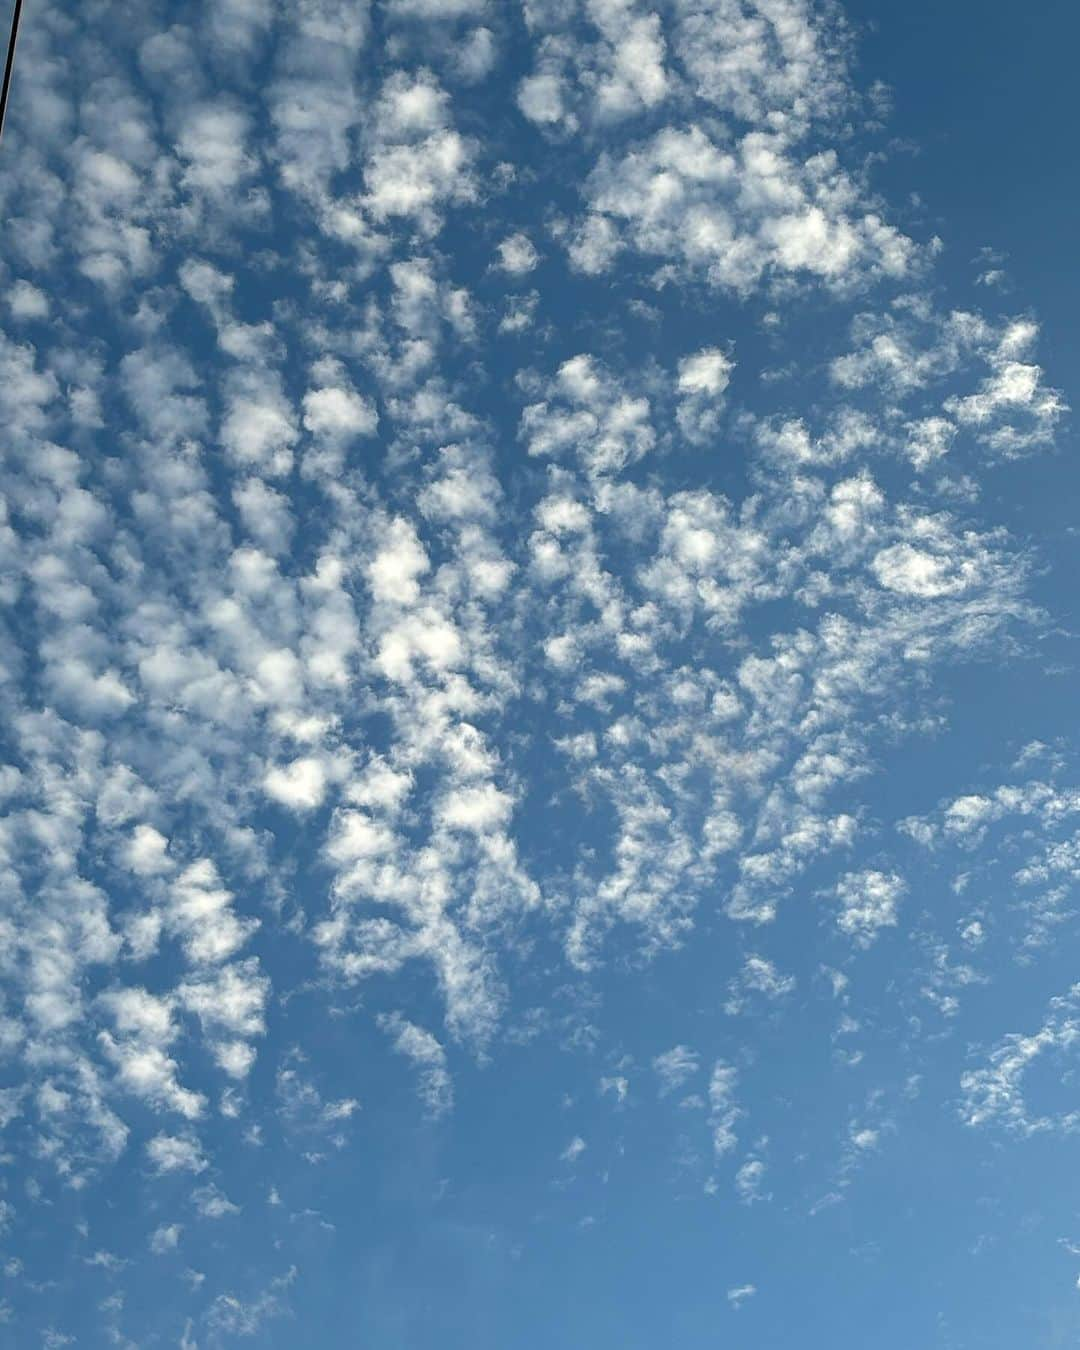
{"points": [[537, 763]]}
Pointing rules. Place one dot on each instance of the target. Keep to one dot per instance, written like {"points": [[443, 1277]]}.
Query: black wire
{"points": [[10, 63]]}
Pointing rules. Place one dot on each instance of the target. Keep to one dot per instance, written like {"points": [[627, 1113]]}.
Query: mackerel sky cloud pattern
{"points": [[514, 629]]}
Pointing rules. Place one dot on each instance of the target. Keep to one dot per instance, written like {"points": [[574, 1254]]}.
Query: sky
{"points": [[540, 799]]}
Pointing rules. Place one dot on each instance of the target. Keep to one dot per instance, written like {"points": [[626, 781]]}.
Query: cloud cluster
{"points": [[384, 640]]}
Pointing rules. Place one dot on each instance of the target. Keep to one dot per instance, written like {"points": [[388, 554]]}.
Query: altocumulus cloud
{"points": [[446, 599]]}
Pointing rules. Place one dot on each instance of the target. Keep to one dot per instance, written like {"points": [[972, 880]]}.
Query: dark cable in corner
{"points": [[9, 64]]}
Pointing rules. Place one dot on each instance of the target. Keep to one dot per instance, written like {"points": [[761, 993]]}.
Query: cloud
{"points": [[748, 1181], [869, 902], [702, 380], [573, 1151], [994, 1094], [738, 1296], [299, 785], [429, 1057], [417, 163], [588, 414], [210, 1203], [259, 428], [175, 1153], [757, 976], [405, 593], [735, 217], [723, 1112], [338, 413], [517, 254], [165, 1238]]}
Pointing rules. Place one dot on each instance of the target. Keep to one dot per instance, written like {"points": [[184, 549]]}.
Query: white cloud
{"points": [[299, 785], [758, 976], [574, 1149], [517, 254], [734, 215], [213, 142], [339, 413], [394, 570], [26, 301], [259, 428], [723, 1111], [146, 853], [211, 1203], [702, 380], [146, 1071], [175, 1153], [994, 1095], [587, 413], [436, 9], [165, 1238], [530, 716], [748, 1181], [418, 163], [429, 1057], [869, 902], [781, 63], [200, 911]]}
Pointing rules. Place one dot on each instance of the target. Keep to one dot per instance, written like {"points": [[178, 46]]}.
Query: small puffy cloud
{"points": [[166, 1238], [517, 255], [869, 901], [748, 1181], [205, 283], [355, 837], [339, 413], [146, 852], [675, 1066], [27, 302], [418, 163], [398, 562], [146, 1071], [427, 1055], [475, 55], [701, 382], [758, 976], [210, 1203], [480, 808], [574, 1149], [200, 912], [738, 1296], [1013, 411], [140, 1014], [926, 575], [300, 785], [589, 414], [542, 98], [631, 74], [928, 440], [780, 64], [616, 1084], [723, 1111], [259, 428], [706, 372], [266, 513], [436, 9], [175, 1153], [213, 142], [614, 70], [964, 815], [230, 1004]]}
